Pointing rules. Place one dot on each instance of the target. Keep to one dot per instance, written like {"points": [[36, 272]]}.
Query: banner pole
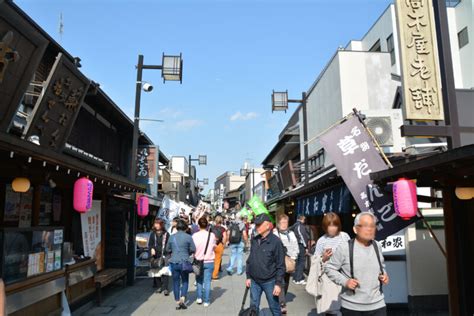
{"points": [[327, 129], [432, 233]]}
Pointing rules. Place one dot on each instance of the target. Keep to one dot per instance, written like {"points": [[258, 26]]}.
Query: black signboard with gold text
{"points": [[57, 108]]}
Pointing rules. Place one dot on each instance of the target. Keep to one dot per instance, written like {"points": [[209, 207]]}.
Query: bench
{"points": [[106, 277]]}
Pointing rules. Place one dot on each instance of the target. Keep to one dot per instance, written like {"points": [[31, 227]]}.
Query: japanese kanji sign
{"points": [[393, 243], [22, 46], [355, 157], [336, 199], [147, 168], [58, 106], [419, 60]]}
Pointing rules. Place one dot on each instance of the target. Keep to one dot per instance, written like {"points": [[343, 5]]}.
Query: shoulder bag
{"points": [[186, 266], [198, 265], [159, 262], [290, 263]]}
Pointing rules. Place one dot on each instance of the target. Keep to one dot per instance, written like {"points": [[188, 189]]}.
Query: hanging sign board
{"points": [[419, 60]]}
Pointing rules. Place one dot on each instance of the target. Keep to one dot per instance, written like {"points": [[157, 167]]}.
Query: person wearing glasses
{"points": [[358, 266]]}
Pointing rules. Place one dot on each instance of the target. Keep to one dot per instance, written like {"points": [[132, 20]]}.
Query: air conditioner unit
{"points": [[385, 126]]}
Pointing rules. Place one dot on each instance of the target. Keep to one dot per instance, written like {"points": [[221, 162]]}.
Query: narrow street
{"points": [[336, 138], [227, 293]]}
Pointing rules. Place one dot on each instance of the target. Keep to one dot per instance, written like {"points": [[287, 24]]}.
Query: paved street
{"points": [[227, 294]]}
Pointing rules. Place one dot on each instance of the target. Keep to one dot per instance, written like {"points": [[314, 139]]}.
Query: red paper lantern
{"points": [[143, 206], [83, 192], [404, 198]]}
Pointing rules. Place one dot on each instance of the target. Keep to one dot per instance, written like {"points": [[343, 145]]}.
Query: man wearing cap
{"points": [[266, 265]]}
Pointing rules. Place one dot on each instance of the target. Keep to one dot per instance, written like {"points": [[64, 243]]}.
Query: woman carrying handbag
{"points": [[205, 242], [157, 244], [288, 238], [181, 246]]}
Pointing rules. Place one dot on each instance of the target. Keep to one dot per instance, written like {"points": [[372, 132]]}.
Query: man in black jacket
{"points": [[266, 265]]}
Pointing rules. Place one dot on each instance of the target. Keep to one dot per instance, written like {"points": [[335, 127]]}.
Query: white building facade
{"points": [[365, 75]]}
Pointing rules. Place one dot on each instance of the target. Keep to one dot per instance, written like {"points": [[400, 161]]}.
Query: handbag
{"points": [[186, 266], [290, 264], [198, 265], [160, 262], [251, 311]]}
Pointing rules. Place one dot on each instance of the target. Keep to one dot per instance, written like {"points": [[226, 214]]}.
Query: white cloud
{"points": [[185, 125], [169, 112], [243, 117]]}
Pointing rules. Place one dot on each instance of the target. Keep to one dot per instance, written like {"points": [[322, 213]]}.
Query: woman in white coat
{"points": [[288, 238], [328, 300]]}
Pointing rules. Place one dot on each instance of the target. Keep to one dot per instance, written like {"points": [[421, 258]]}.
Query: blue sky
{"points": [[235, 53]]}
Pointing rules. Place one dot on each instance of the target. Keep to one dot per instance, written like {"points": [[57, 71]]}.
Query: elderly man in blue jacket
{"points": [[266, 265]]}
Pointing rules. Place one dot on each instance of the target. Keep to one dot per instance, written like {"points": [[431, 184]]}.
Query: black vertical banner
{"points": [[355, 157]]}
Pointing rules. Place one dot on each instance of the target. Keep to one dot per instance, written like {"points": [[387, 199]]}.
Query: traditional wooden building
{"points": [[57, 126]]}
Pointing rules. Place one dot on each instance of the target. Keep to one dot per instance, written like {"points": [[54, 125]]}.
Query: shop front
{"points": [[49, 251], [452, 173], [57, 127]]}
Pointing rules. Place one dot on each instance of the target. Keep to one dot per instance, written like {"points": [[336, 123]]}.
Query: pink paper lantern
{"points": [[404, 198], [143, 206], [83, 192]]}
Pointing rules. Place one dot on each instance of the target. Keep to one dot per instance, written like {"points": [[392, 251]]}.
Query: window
{"points": [[376, 47], [463, 38], [391, 48], [452, 3]]}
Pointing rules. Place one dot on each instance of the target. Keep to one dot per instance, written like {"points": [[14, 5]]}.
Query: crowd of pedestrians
{"points": [[346, 276]]}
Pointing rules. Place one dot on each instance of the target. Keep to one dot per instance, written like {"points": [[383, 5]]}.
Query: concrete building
{"points": [[230, 180], [366, 75], [226, 184], [180, 164]]}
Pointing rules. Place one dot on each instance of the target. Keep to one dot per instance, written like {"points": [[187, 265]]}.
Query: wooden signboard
{"points": [[57, 108], [419, 60], [21, 50], [287, 175]]}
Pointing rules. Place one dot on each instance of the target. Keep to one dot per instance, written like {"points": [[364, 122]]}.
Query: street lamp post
{"points": [[202, 159], [171, 70], [280, 103], [245, 172], [204, 181]]}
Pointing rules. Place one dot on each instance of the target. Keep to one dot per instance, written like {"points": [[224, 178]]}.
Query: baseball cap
{"points": [[262, 218]]}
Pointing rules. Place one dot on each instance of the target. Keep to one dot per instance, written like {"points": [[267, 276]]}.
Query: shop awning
{"points": [[285, 145], [336, 199], [451, 167], [11, 143], [327, 177]]}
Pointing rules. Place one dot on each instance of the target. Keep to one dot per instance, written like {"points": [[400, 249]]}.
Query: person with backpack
{"points": [[304, 237], [221, 239], [358, 266], [237, 237]]}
